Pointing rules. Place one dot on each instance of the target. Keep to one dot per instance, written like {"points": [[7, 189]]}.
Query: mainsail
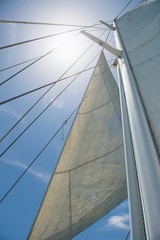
{"points": [[140, 31], [89, 179]]}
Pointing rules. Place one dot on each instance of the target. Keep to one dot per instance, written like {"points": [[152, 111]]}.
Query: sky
{"points": [[18, 209]]}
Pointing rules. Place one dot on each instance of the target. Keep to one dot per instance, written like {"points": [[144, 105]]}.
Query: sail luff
{"points": [[145, 149]]}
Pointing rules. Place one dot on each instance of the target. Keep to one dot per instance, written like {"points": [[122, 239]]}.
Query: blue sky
{"points": [[18, 209]]}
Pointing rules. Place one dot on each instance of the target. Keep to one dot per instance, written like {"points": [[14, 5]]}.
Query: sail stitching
{"points": [[99, 106], [92, 160]]}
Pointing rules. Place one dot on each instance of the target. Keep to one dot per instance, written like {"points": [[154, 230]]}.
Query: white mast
{"points": [[147, 162], [134, 201]]}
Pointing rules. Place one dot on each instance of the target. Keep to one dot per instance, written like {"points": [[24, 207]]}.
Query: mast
{"points": [[135, 207], [146, 157]]}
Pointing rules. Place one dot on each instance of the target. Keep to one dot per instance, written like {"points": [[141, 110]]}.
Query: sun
{"points": [[69, 48]]}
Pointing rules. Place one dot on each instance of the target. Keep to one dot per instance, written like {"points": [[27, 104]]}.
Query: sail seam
{"points": [[102, 206], [146, 61], [92, 160], [101, 73], [99, 106]]}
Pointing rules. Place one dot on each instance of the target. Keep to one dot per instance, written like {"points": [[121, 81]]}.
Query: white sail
{"points": [[90, 178], [140, 31]]}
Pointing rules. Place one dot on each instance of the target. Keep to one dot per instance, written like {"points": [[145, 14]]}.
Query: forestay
{"points": [[89, 179]]}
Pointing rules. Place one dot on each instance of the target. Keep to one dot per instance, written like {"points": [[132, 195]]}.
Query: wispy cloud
{"points": [[11, 31], [119, 221], [58, 104], [44, 177], [124, 205], [9, 36], [11, 112]]}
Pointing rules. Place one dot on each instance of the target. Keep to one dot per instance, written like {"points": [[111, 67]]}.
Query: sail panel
{"points": [[89, 180], [140, 32]]}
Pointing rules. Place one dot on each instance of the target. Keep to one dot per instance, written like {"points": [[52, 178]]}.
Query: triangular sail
{"points": [[89, 180]]}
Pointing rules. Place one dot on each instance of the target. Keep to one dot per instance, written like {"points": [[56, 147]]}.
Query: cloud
{"points": [[11, 112], [119, 221], [11, 30], [58, 104], [8, 36], [44, 177], [124, 205]]}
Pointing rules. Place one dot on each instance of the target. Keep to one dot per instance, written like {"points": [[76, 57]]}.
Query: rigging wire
{"points": [[35, 158], [15, 65], [111, 21], [15, 183], [15, 140], [32, 63], [27, 67], [51, 35], [127, 236], [39, 38], [38, 101], [43, 23], [123, 9], [46, 85], [46, 145]]}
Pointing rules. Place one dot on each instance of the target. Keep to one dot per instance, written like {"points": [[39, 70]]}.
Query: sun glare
{"points": [[68, 49]]}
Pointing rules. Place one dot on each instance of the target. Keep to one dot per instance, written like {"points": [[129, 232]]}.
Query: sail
{"points": [[89, 179], [140, 32]]}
